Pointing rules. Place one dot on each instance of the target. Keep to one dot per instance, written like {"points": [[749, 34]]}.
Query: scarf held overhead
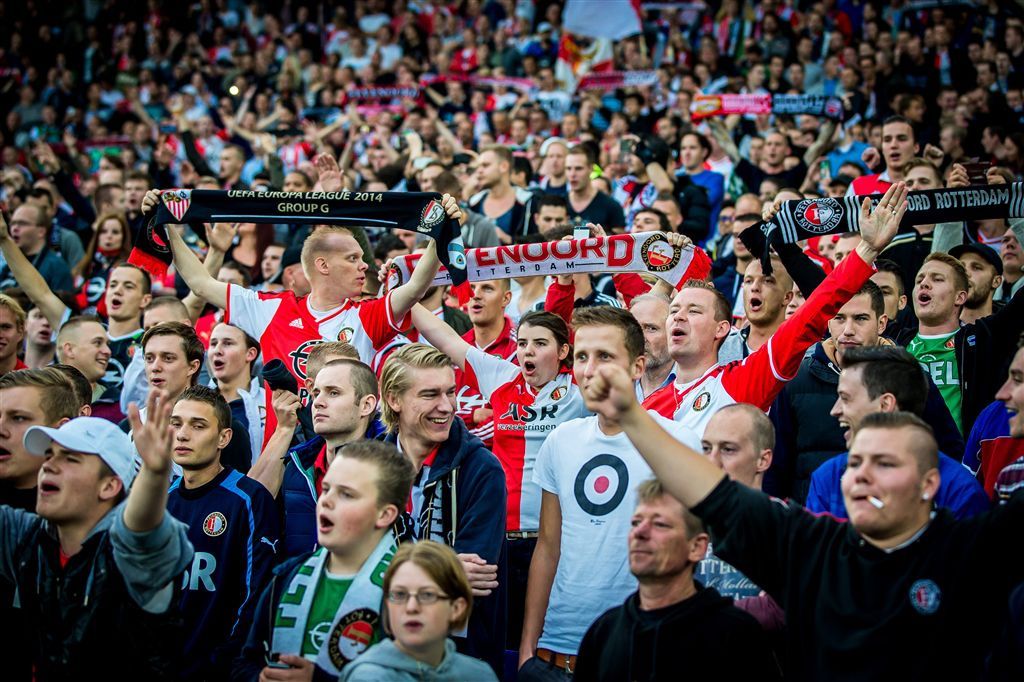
{"points": [[636, 252], [704, 106], [420, 212], [806, 218]]}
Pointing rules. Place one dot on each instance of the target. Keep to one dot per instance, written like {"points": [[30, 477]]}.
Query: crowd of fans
{"points": [[278, 461]]}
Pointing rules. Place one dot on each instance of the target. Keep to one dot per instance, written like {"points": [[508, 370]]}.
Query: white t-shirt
{"points": [[595, 477]]}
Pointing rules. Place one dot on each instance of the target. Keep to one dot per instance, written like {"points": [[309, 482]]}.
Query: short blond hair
{"points": [[396, 376], [319, 354], [16, 310], [318, 242]]}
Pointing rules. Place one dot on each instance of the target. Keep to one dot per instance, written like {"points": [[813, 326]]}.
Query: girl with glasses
{"points": [[426, 597]]}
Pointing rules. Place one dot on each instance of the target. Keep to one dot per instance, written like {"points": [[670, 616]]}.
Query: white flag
{"points": [[613, 19]]}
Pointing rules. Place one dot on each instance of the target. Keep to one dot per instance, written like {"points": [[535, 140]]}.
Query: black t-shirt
{"points": [[926, 611], [602, 210]]}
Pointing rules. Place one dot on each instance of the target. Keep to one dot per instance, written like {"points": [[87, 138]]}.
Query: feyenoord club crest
{"points": [[433, 214], [601, 485], [215, 524], [352, 636], [177, 201], [925, 597], [345, 335], [819, 216], [558, 393], [658, 255], [702, 401]]}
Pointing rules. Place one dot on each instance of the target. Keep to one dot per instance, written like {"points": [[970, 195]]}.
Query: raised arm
{"points": [[822, 143], [147, 499], [409, 294], [721, 136], [440, 335], [29, 279], [201, 282], [268, 468], [219, 237]]}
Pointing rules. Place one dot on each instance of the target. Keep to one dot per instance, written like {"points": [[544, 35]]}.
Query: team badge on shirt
{"points": [[818, 216], [352, 637], [215, 524], [558, 393], [702, 401], [346, 334], [601, 485], [925, 597]]}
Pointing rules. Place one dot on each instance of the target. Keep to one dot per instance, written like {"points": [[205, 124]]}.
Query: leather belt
{"points": [[564, 662], [521, 534]]}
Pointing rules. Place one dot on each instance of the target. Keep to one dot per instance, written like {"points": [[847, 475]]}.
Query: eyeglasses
{"points": [[423, 597], [725, 218]]}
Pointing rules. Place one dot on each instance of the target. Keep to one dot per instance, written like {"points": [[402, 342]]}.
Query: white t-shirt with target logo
{"points": [[595, 477]]}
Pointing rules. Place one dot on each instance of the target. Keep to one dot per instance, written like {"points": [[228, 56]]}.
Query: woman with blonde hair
{"points": [[427, 596]]}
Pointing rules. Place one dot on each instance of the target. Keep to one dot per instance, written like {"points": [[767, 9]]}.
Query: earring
{"points": [[924, 497]]}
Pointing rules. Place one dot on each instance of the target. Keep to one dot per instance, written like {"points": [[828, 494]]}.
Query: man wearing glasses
{"points": [[30, 230]]}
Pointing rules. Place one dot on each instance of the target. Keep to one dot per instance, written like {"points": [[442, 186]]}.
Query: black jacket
{"points": [[927, 611], [807, 435], [703, 637], [81, 619], [983, 352]]}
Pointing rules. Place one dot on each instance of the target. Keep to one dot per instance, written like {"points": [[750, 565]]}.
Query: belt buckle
{"points": [[568, 664]]}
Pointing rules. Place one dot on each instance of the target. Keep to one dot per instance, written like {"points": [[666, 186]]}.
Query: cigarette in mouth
{"points": [[878, 504]]}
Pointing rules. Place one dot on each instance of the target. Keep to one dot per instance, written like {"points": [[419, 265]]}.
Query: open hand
{"points": [[329, 171], [220, 236], [879, 226], [154, 438]]}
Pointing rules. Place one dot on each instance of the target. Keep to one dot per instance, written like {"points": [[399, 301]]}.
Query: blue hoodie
{"points": [[959, 492]]}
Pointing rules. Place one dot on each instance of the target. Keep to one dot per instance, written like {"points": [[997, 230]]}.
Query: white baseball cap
{"points": [[91, 436]]}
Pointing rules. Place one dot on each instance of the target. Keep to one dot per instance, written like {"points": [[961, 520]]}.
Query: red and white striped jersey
{"points": [[468, 398], [522, 420], [758, 378], [286, 327]]}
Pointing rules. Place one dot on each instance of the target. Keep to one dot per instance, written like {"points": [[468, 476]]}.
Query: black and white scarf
{"points": [[417, 211], [805, 218]]}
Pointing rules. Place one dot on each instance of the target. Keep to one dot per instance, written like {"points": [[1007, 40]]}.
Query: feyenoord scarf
{"points": [[802, 219], [722, 105], [417, 211], [612, 80], [635, 252], [357, 617]]}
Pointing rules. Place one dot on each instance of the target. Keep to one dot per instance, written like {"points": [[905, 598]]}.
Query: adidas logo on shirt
{"points": [[297, 323]]}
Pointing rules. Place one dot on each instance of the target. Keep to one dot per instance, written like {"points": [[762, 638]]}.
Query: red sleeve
{"points": [[560, 299], [378, 322], [630, 285], [760, 377]]}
